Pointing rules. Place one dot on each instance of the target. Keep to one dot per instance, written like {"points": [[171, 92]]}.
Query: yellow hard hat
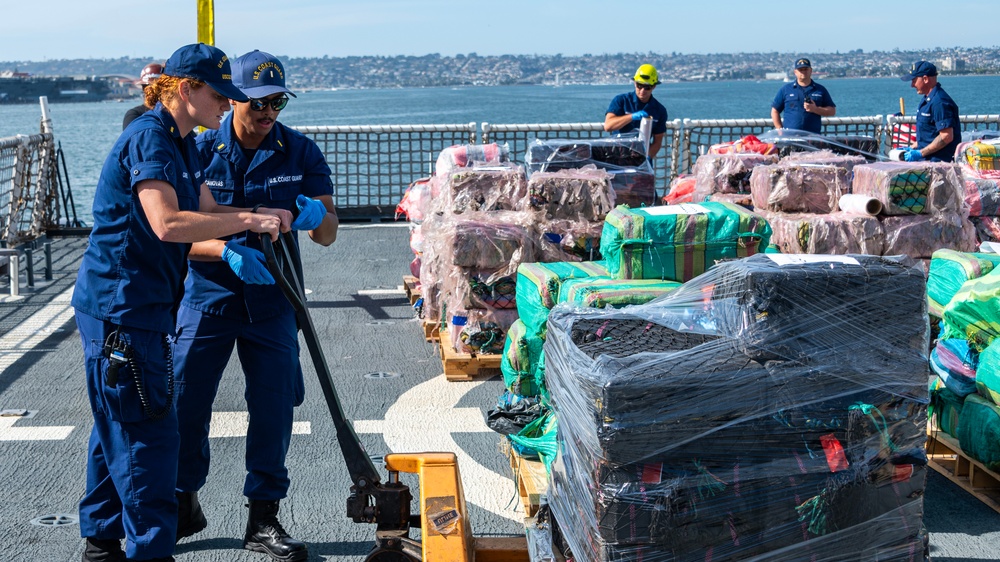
{"points": [[647, 75]]}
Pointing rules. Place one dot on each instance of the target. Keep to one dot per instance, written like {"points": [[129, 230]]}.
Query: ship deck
{"points": [[390, 383]]}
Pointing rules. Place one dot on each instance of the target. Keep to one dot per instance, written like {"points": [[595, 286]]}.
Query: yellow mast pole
{"points": [[206, 22]]}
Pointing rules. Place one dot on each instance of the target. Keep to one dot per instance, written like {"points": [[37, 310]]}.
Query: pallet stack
{"points": [[772, 405]]}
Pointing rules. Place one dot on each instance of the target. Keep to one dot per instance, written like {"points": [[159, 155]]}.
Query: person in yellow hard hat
{"points": [[628, 109]]}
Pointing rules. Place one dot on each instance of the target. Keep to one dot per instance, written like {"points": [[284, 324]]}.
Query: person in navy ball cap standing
{"points": [[803, 102], [938, 128], [150, 205], [230, 300]]}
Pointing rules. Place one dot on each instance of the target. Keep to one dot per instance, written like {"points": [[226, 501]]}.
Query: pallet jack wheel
{"points": [[395, 550]]}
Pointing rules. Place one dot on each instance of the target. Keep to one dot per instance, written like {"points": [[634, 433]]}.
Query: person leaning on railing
{"points": [[150, 204], [627, 110], [938, 127]]}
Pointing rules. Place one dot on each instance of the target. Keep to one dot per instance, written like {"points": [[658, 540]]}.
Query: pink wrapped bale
{"points": [[908, 188], [726, 173], [826, 157], [834, 233], [798, 188], [491, 245], [918, 236], [987, 228], [982, 196], [574, 193], [742, 199], [467, 155]]}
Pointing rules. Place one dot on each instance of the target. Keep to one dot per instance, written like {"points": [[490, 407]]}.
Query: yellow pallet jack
{"points": [[446, 535]]}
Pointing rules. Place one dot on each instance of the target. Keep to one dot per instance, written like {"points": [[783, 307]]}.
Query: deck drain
{"points": [[382, 375], [54, 520]]}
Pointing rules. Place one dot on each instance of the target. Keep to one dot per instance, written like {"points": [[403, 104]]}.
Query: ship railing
{"points": [[373, 164]]}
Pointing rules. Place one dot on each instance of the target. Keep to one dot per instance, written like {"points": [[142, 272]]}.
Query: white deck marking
{"points": [[30, 333], [423, 419], [396, 291], [234, 424], [49, 433]]}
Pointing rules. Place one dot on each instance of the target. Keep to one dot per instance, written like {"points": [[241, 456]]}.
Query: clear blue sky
{"points": [[65, 29]]}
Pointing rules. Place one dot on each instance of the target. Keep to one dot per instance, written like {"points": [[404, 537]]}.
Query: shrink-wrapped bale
{"points": [[679, 242], [579, 240], [949, 270], [826, 158], [955, 364], [907, 188], [521, 359], [499, 187], [491, 244], [982, 196], [979, 156], [599, 292], [726, 173], [834, 233], [679, 440], [538, 286], [466, 155], [582, 194], [792, 187], [481, 331], [979, 431], [987, 228], [974, 311], [919, 236], [623, 157], [945, 408], [744, 200], [634, 186]]}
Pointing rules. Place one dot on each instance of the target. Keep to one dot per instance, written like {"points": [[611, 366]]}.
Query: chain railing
{"points": [[373, 164]]}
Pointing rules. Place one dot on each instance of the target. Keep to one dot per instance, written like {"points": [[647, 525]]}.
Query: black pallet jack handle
{"points": [[370, 501]]}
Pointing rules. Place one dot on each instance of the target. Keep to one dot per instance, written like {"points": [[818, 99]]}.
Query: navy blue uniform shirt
{"points": [[629, 103], [128, 275], [938, 111], [789, 100], [286, 164]]}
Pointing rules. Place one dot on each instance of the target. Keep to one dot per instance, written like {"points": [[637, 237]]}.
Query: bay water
{"points": [[87, 131]]}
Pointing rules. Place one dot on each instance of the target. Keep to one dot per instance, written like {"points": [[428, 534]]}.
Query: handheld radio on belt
{"points": [[120, 354]]}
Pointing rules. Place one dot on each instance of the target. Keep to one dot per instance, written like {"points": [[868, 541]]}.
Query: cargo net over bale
{"points": [[773, 408]]}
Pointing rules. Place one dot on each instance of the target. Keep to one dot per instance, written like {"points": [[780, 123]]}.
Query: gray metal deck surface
{"points": [[366, 326]]}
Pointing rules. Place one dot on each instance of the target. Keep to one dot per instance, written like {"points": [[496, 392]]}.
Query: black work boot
{"points": [[190, 518], [265, 534], [103, 550]]}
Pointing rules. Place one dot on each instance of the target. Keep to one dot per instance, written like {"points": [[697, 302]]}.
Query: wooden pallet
{"points": [[946, 456], [532, 481], [411, 286], [465, 366], [432, 331]]}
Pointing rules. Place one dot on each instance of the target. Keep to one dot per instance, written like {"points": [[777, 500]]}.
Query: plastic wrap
{"points": [[835, 233], [988, 374], [679, 242], [580, 194], [918, 236], [982, 196], [746, 145], [744, 200], [791, 141], [681, 190], [949, 270], [578, 240], [481, 331], [765, 406], [465, 155], [538, 288], [521, 360], [623, 157], [955, 364], [416, 201], [907, 188], [979, 159], [987, 228], [792, 187], [494, 187], [726, 173], [945, 407], [827, 158], [599, 292]]}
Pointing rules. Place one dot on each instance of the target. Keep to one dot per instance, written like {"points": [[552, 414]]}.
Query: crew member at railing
{"points": [[627, 110], [803, 102], [938, 128], [230, 299], [149, 206]]}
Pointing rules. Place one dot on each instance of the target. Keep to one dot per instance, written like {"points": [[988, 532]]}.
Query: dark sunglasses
{"points": [[644, 86], [276, 104]]}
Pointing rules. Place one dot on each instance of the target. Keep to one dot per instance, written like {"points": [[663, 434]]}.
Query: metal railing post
{"points": [[29, 265], [47, 248], [486, 132]]}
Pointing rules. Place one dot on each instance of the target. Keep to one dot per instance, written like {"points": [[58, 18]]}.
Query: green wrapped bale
{"points": [[979, 431], [601, 292], [988, 373], [520, 360], [949, 269], [974, 311], [945, 408], [679, 242], [537, 288]]}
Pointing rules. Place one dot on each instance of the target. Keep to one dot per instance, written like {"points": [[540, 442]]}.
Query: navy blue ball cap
{"points": [[803, 63], [258, 75], [920, 68], [206, 63]]}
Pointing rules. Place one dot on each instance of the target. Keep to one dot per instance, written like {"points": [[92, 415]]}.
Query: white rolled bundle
{"points": [[860, 204]]}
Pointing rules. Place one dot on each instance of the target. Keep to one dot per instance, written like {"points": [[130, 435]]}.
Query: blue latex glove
{"points": [[248, 264], [311, 213], [639, 115], [913, 155]]}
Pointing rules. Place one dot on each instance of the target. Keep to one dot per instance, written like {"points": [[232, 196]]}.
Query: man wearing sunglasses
{"points": [[627, 110], [230, 299]]}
